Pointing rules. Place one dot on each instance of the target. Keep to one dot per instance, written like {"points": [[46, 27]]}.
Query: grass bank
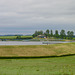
{"points": [[45, 66], [37, 50]]}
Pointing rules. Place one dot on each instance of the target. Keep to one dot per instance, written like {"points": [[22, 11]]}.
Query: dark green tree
{"points": [[71, 34], [47, 33], [56, 34], [62, 34], [37, 33], [18, 37], [51, 33], [40, 32], [68, 34]]}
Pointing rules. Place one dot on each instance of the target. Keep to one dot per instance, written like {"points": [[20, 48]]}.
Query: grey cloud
{"points": [[24, 13]]}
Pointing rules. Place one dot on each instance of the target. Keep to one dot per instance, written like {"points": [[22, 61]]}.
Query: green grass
{"points": [[26, 37], [51, 39], [38, 66], [73, 38], [44, 66], [7, 37], [14, 37]]}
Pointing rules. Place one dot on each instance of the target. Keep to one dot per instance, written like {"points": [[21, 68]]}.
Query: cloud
{"points": [[34, 13]]}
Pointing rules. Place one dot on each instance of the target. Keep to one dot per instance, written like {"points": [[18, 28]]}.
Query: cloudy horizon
{"points": [[26, 16]]}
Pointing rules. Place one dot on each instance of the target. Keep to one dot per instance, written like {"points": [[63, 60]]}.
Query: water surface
{"points": [[30, 42]]}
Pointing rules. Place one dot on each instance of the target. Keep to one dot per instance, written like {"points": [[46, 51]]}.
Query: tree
{"points": [[51, 33], [18, 37], [62, 34], [70, 34], [40, 32], [34, 35], [37, 33], [56, 34], [47, 33]]}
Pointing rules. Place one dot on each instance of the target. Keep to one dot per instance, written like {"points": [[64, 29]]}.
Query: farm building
{"points": [[41, 36]]}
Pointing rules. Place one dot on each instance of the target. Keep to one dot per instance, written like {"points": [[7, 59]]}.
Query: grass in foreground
{"points": [[37, 50], [45, 66]]}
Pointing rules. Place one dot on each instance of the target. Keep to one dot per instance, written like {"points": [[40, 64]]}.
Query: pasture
{"points": [[8, 37], [64, 65], [41, 66], [15, 37]]}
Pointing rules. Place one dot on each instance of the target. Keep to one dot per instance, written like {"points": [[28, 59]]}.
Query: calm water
{"points": [[29, 42]]}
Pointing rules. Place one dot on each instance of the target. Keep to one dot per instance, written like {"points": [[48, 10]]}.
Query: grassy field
{"points": [[52, 39], [38, 66], [14, 37], [8, 37], [73, 38], [26, 37], [42, 66], [37, 50]]}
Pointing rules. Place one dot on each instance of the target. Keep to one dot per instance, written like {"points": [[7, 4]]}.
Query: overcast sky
{"points": [[26, 16]]}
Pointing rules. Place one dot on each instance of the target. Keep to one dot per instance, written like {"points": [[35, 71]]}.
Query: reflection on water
{"points": [[29, 42], [19, 43]]}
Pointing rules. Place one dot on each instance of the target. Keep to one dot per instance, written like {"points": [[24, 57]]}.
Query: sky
{"points": [[27, 16]]}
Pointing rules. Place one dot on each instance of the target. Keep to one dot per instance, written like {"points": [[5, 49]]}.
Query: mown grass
{"points": [[37, 50], [44, 66]]}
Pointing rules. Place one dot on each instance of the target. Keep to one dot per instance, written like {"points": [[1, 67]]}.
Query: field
{"points": [[37, 50], [26, 37], [56, 65], [73, 38], [8, 37], [42, 66], [15, 37]]}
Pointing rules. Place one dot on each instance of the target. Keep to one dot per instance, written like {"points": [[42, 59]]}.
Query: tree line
{"points": [[49, 33]]}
